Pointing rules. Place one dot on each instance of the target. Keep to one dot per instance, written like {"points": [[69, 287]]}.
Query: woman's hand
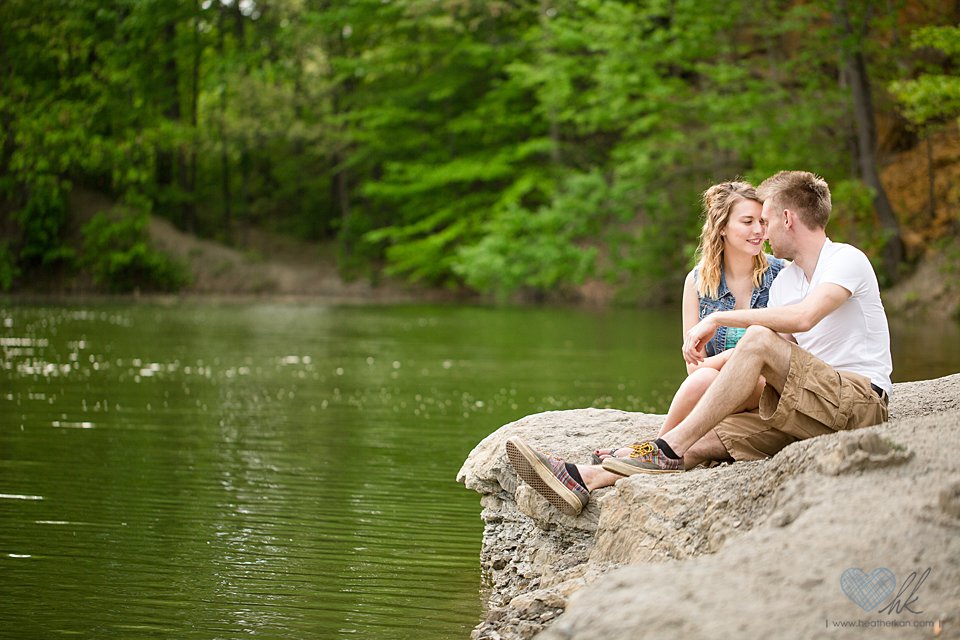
{"points": [[696, 339]]}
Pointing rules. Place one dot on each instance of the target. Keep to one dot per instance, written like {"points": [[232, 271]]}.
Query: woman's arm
{"points": [[691, 316], [713, 362], [691, 303]]}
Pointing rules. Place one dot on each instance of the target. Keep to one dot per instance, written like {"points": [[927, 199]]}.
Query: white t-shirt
{"points": [[855, 337]]}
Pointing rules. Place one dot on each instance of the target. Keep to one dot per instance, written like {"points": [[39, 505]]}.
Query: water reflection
{"points": [[286, 470]]}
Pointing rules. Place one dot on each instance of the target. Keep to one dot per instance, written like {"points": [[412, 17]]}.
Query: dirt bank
{"points": [[276, 266]]}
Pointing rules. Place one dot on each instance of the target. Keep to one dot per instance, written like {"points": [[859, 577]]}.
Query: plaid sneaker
{"points": [[548, 477], [645, 458]]}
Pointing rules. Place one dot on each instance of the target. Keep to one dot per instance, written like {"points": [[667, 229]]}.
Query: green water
{"points": [[288, 470]]}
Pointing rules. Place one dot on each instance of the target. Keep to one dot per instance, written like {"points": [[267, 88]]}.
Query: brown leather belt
{"points": [[881, 394]]}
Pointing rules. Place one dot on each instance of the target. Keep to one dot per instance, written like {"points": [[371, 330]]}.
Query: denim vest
{"points": [[725, 301]]}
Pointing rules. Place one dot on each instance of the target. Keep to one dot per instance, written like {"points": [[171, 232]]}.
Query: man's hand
{"points": [[696, 339]]}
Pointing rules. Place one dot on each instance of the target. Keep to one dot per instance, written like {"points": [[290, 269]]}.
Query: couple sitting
{"points": [[812, 343]]}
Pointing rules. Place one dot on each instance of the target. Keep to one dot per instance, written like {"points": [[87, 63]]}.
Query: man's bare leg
{"points": [[706, 449], [688, 394], [759, 352]]}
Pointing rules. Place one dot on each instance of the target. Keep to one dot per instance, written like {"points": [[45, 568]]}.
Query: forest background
{"points": [[535, 149]]}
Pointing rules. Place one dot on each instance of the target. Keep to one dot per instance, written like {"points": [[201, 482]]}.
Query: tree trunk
{"points": [[188, 212], [341, 193], [6, 122], [340, 186], [554, 124], [339, 181], [166, 158], [855, 69], [315, 227], [931, 186], [242, 213], [225, 193]]}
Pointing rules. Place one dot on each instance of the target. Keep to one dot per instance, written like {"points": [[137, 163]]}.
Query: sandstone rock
{"points": [[743, 550], [858, 450], [950, 500]]}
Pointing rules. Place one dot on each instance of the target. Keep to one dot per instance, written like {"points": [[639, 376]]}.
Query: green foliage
{"points": [[8, 267], [929, 97], [945, 39], [121, 260], [499, 146], [932, 97], [545, 250], [453, 136], [42, 220], [852, 219]]}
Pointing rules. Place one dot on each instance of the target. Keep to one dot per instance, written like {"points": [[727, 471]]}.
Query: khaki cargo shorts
{"points": [[816, 400]]}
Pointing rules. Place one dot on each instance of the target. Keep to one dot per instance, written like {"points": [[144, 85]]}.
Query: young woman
{"points": [[732, 272]]}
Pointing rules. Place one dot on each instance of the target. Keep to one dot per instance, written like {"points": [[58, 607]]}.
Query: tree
{"points": [[446, 134], [855, 69], [932, 99], [502, 146]]}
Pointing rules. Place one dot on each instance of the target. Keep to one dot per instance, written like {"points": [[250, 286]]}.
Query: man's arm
{"points": [[789, 319]]}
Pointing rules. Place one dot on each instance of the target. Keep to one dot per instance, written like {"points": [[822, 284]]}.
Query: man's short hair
{"points": [[805, 193]]}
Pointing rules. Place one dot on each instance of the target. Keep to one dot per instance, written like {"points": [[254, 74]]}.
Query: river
{"points": [[287, 470]]}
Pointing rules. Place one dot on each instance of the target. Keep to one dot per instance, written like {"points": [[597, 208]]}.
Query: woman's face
{"points": [[744, 232]]}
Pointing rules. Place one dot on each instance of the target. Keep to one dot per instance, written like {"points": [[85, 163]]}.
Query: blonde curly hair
{"points": [[718, 202]]}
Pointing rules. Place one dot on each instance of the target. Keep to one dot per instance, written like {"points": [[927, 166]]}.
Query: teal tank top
{"points": [[733, 337]]}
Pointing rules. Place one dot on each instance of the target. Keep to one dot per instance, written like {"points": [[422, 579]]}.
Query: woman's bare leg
{"points": [[687, 397]]}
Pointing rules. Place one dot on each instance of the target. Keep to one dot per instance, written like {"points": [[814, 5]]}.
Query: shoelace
{"points": [[642, 449]]}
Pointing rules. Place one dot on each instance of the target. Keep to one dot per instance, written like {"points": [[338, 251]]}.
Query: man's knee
{"points": [[770, 350], [757, 340]]}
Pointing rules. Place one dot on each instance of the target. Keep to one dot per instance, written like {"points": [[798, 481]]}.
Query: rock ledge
{"points": [[748, 550]]}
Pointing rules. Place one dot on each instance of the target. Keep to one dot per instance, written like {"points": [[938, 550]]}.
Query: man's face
{"points": [[772, 217]]}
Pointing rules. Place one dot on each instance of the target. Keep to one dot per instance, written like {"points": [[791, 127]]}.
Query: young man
{"points": [[822, 345]]}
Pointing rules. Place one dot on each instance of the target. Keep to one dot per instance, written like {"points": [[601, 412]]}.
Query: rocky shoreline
{"points": [[744, 550]]}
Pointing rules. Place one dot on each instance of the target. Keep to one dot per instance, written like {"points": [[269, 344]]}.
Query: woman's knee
{"points": [[701, 379]]}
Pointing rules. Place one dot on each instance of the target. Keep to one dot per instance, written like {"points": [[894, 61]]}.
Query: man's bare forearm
{"points": [[788, 320]]}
